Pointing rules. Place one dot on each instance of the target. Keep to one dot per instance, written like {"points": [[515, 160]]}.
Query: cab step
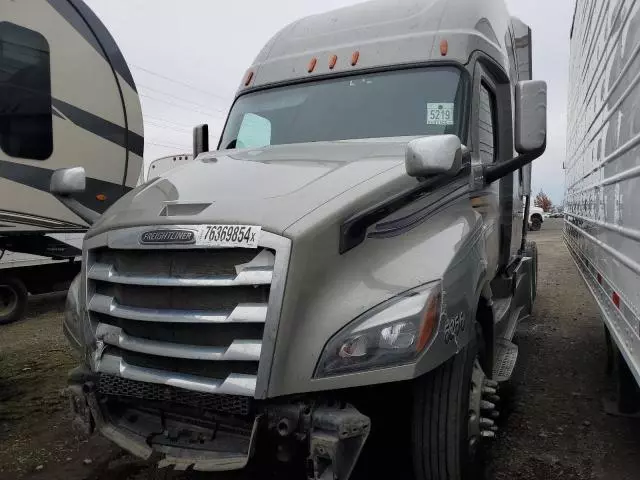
{"points": [[506, 357]]}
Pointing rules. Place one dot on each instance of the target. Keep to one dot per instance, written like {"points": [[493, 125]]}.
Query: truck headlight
{"points": [[392, 333], [73, 324]]}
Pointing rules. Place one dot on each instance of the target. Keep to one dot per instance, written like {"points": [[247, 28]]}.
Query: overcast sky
{"points": [[187, 59]]}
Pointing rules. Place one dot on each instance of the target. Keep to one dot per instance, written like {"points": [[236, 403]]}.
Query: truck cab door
{"points": [[493, 143], [67, 98], [485, 149]]}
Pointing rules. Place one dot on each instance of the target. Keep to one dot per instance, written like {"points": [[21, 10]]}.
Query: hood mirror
{"points": [[435, 155], [67, 181]]}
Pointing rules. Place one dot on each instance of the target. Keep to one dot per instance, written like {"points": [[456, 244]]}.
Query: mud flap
{"points": [[337, 437]]}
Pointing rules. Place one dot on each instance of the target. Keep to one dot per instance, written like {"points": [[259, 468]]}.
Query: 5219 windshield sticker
{"points": [[440, 113]]}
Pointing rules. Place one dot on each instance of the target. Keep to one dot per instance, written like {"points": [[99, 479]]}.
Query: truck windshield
{"points": [[425, 101]]}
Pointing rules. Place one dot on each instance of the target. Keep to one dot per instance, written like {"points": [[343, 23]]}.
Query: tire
{"points": [[536, 224], [440, 437], [13, 300]]}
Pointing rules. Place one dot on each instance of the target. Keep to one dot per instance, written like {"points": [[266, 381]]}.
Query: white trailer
{"points": [[602, 226]]}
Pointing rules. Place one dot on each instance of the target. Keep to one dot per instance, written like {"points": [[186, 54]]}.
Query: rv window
{"points": [[25, 93], [486, 125]]}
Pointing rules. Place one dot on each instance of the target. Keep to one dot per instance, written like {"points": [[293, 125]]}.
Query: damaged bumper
{"points": [[327, 438]]}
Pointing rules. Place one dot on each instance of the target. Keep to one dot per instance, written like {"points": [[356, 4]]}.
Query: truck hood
{"points": [[273, 187]]}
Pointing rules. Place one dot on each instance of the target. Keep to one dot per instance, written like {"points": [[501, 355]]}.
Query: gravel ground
{"points": [[553, 424]]}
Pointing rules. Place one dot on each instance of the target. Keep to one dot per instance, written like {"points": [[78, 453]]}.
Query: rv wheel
{"points": [[447, 431], [13, 300]]}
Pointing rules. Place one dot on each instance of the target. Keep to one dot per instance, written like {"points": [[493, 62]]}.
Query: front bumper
{"points": [[327, 438]]}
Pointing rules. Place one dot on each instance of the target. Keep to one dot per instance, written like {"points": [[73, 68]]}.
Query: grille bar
{"points": [[243, 313], [251, 276], [240, 350], [233, 384]]}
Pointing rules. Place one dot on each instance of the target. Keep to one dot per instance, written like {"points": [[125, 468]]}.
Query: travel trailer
{"points": [[347, 270], [67, 98], [602, 225]]}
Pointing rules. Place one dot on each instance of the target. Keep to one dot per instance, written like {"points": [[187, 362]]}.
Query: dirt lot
{"points": [[553, 426]]}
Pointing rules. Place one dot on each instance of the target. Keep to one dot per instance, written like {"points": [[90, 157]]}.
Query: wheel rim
{"points": [[8, 300], [482, 408]]}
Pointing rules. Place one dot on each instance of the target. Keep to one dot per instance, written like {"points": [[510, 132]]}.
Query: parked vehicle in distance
{"points": [[63, 82], [602, 225], [354, 252], [536, 217]]}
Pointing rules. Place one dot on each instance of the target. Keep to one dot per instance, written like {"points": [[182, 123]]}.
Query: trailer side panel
{"points": [[602, 227]]}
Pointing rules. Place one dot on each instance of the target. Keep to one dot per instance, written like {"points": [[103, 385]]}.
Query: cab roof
{"points": [[384, 33]]}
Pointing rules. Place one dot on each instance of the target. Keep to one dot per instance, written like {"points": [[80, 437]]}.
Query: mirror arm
{"points": [[496, 172], [88, 215]]}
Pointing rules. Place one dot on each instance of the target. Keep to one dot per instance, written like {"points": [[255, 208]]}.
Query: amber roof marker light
{"points": [[333, 59], [444, 47], [248, 78], [312, 65], [354, 58]]}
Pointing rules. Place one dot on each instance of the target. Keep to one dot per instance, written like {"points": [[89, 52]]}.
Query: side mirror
{"points": [[531, 115], [200, 139], [436, 155], [68, 180], [530, 130]]}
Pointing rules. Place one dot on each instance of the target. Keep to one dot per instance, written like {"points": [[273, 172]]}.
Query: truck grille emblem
{"points": [[168, 236]]}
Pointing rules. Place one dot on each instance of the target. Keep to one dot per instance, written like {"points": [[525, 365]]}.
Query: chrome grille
{"points": [[185, 316]]}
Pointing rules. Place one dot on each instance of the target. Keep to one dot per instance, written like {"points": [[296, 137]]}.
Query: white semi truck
{"points": [[355, 251], [602, 223]]}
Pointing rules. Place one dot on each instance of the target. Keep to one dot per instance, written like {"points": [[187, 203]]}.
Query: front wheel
{"points": [[452, 412]]}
